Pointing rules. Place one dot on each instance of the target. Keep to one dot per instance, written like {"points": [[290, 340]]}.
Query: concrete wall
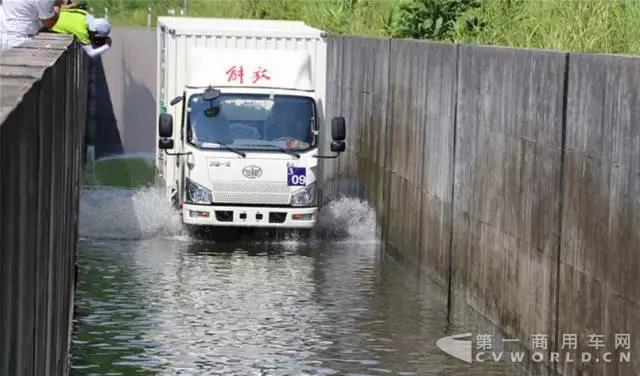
{"points": [[398, 98], [509, 176], [122, 107], [507, 185], [420, 151], [43, 95], [372, 82], [600, 254], [369, 78]]}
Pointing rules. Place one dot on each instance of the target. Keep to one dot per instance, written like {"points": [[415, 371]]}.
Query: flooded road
{"points": [[151, 300]]}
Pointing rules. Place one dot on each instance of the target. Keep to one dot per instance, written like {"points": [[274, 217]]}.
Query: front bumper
{"points": [[243, 216]]}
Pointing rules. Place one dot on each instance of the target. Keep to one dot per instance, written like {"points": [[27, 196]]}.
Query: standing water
{"points": [[152, 300]]}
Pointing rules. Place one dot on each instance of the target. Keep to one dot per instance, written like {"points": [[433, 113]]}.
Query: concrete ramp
{"points": [[123, 98]]}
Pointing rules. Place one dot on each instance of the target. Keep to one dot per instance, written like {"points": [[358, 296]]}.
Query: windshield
{"points": [[252, 122]]}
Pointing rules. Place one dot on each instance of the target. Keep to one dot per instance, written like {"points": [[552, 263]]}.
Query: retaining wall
{"points": [[600, 240], [43, 103], [510, 176]]}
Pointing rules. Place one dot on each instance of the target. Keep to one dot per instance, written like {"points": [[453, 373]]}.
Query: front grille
{"points": [[251, 193]]}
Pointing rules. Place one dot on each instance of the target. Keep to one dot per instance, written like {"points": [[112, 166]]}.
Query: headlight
{"points": [[305, 196], [197, 194]]}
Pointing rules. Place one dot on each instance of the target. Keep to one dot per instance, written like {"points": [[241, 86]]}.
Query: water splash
{"points": [[120, 213], [347, 218]]}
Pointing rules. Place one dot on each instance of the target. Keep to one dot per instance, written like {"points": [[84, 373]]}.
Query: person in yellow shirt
{"points": [[91, 32]]}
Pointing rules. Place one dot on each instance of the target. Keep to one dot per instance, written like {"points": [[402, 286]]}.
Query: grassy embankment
{"points": [[360, 17], [611, 26]]}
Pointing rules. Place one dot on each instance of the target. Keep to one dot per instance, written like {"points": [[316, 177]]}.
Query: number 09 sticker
{"points": [[296, 176]]}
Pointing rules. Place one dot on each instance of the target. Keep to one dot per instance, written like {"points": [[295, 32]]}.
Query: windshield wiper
{"points": [[228, 147], [280, 149]]}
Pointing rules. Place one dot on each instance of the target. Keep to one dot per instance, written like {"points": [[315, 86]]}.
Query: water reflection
{"points": [[175, 306]]}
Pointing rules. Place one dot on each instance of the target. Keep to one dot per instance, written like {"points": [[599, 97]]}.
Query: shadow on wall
{"points": [[107, 138], [124, 98], [138, 111]]}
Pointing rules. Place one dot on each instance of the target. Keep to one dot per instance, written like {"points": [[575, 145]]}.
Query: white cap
{"points": [[99, 26]]}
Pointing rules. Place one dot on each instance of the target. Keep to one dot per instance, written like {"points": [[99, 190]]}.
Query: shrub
{"points": [[434, 19]]}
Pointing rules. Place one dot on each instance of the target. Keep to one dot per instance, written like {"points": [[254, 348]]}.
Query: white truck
{"points": [[241, 120]]}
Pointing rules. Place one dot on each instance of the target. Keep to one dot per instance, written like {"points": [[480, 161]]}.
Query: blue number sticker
{"points": [[296, 176]]}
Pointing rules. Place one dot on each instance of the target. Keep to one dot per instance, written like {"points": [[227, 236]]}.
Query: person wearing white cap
{"points": [[20, 20], [91, 32]]}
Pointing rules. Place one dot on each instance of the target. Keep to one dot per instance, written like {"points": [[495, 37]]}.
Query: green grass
{"points": [[611, 26], [574, 25], [360, 17]]}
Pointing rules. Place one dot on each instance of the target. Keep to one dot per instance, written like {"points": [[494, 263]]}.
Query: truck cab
{"points": [[239, 136]]}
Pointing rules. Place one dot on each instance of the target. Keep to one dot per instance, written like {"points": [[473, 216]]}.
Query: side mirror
{"points": [[338, 129], [165, 125], [165, 143], [176, 100], [338, 146]]}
